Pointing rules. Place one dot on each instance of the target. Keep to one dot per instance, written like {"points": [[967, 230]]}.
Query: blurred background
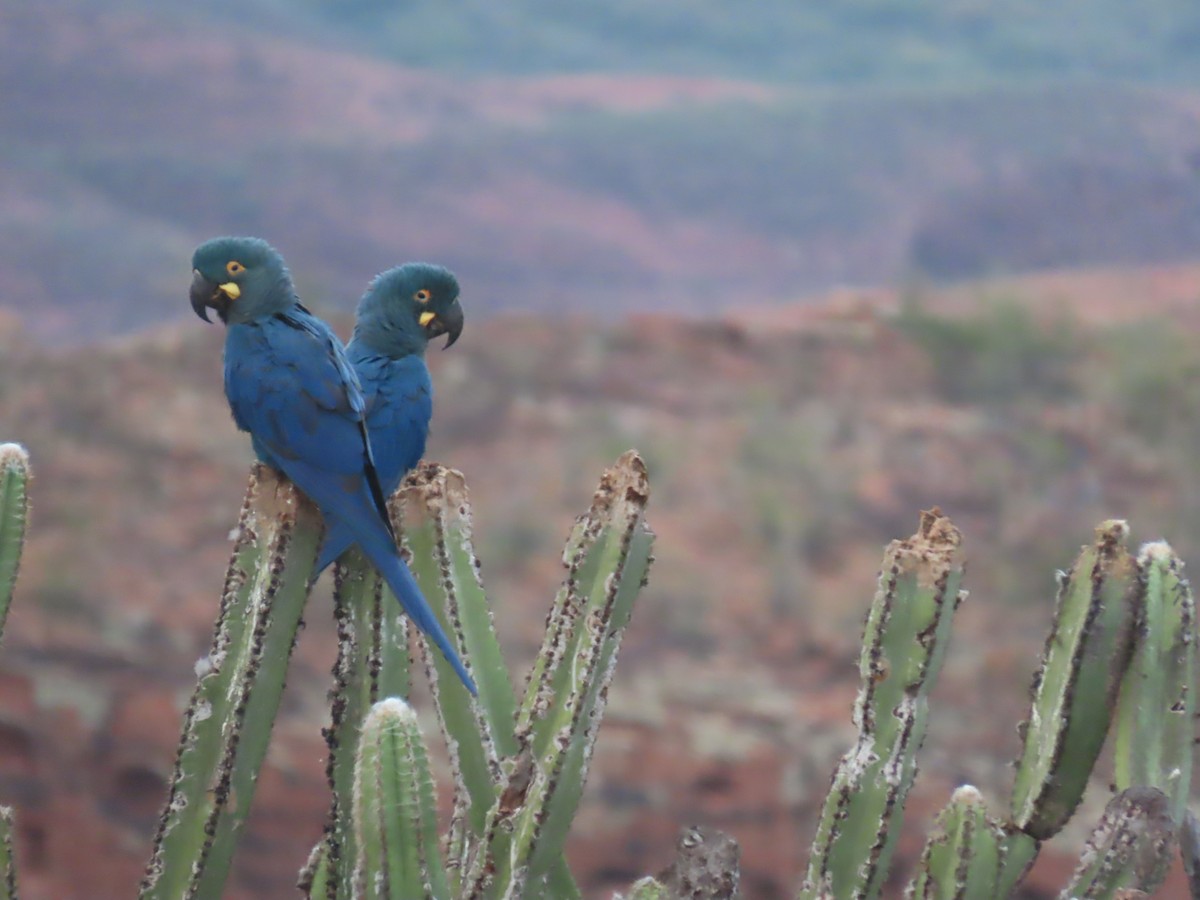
{"points": [[825, 265]]}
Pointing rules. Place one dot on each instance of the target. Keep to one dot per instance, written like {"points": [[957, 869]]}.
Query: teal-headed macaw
{"points": [[291, 386], [402, 310]]}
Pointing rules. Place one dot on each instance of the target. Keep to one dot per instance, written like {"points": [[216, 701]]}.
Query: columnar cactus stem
{"points": [[1130, 847], [14, 513], [1075, 690], [963, 857], [1017, 857], [228, 721], [608, 558], [907, 632], [1154, 721], [435, 522], [1189, 850], [394, 812], [8, 861], [372, 663]]}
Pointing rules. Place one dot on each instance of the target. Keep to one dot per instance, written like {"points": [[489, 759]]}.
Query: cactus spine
{"points": [[228, 721], [905, 642]]}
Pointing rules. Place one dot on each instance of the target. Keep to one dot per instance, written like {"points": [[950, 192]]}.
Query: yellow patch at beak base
{"points": [[426, 317], [230, 290]]}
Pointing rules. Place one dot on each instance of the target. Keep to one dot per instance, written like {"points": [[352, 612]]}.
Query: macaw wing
{"points": [[288, 385], [399, 406]]}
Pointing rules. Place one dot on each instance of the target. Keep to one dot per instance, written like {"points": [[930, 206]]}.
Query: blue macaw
{"points": [[402, 310], [291, 386]]}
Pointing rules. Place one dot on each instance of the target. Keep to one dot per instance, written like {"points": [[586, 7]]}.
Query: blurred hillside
{"points": [[629, 158], [861, 42], [786, 445]]}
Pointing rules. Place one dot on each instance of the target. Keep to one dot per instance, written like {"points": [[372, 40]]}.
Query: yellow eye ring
{"points": [[422, 296], [233, 267]]}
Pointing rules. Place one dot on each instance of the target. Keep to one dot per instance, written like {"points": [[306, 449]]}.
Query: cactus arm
{"points": [[609, 555], [228, 721], [1189, 849], [436, 529], [1131, 846], [1017, 858], [394, 812], [1154, 718], [372, 662], [963, 856], [8, 859], [907, 632], [316, 881], [1075, 689], [14, 514]]}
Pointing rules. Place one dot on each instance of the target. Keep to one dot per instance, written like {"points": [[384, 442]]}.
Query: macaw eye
{"points": [[233, 267], [422, 296]]}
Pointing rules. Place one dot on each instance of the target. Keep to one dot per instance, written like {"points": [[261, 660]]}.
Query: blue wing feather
{"points": [[399, 398], [290, 384]]}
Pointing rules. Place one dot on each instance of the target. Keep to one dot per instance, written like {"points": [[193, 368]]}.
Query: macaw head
{"points": [[242, 278], [406, 307]]}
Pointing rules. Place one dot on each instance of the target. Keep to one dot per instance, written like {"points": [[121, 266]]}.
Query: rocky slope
{"points": [[785, 448]]}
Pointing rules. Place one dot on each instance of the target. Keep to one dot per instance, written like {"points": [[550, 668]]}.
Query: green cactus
{"points": [[1157, 705], [607, 557], [520, 767], [494, 770], [1075, 690], [1189, 849], [228, 721], [372, 663], [1017, 857], [963, 858], [317, 880], [1130, 847], [905, 642], [434, 519], [8, 861], [14, 513], [395, 818]]}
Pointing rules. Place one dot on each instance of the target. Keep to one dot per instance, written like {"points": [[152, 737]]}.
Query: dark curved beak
{"points": [[449, 323], [205, 294]]}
